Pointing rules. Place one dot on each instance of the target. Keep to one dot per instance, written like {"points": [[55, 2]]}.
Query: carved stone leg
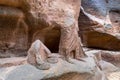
{"points": [[67, 56], [70, 43], [38, 54], [81, 52], [77, 53]]}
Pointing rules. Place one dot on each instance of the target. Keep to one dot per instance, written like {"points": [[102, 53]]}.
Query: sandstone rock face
{"points": [[99, 24], [51, 21], [48, 16], [108, 61], [49, 29], [38, 53], [13, 31], [116, 21], [60, 71], [13, 3], [44, 66], [105, 55]]}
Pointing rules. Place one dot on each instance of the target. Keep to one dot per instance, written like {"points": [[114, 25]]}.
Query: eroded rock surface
{"points": [[52, 26], [54, 22], [13, 31], [50, 15], [82, 69], [99, 24]]}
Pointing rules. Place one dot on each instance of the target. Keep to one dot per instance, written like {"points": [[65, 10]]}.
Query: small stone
{"points": [[43, 66]]}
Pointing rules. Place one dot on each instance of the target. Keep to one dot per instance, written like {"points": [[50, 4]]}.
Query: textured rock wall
{"points": [[40, 19], [115, 19], [99, 24], [13, 31], [13, 3], [55, 23]]}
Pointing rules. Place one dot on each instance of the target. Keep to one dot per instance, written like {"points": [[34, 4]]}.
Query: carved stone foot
{"points": [[43, 66], [69, 61], [52, 60]]}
